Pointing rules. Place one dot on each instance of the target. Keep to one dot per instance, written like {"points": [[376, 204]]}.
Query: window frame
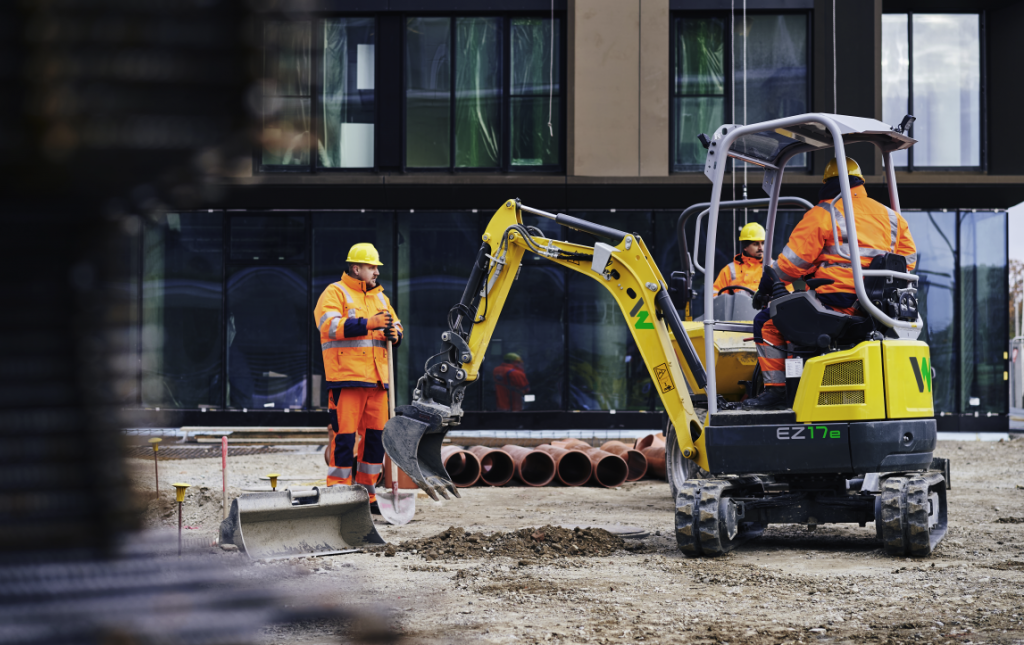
{"points": [[982, 94], [505, 166], [727, 62]]}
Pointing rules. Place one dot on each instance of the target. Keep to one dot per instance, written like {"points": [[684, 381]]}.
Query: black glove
{"points": [[393, 334], [764, 289]]}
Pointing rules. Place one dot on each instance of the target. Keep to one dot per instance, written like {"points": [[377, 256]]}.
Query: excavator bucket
{"points": [[296, 524], [413, 438]]}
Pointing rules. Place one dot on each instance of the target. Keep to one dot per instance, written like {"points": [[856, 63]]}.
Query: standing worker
{"points": [[745, 269], [356, 320], [811, 252], [510, 383]]}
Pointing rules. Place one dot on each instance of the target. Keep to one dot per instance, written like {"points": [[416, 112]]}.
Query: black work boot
{"points": [[771, 398], [374, 508]]}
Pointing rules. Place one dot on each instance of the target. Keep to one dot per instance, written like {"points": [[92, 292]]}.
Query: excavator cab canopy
{"points": [[771, 145]]}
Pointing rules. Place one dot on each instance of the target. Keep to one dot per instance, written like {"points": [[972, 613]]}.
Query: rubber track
{"points": [[697, 525], [904, 520]]}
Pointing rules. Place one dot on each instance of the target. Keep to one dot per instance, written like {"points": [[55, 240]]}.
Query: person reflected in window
{"points": [[510, 383]]}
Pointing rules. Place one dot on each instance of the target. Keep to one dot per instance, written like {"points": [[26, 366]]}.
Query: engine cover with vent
{"points": [[848, 385]]}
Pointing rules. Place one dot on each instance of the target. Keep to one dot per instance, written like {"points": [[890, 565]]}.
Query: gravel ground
{"points": [[834, 585]]}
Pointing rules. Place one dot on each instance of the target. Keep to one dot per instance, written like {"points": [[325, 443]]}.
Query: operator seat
{"points": [[804, 321]]}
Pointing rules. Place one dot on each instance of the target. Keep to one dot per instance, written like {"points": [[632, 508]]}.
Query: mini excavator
{"points": [[856, 445]]}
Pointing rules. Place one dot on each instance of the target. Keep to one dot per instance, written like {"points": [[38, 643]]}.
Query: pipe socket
{"points": [[649, 440], [496, 466], [572, 467], [533, 467], [463, 466], [656, 461]]}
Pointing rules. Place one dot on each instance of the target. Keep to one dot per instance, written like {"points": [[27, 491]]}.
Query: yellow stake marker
{"points": [[155, 442], [179, 490], [273, 480]]}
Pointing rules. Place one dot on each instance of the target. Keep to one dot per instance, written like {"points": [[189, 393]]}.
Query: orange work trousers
{"points": [[353, 411]]}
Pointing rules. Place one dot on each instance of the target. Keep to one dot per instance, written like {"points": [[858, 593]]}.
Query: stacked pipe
{"points": [[609, 470], [653, 449]]}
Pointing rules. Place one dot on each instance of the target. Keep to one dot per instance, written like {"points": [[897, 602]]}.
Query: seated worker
{"points": [[811, 253], [745, 269]]}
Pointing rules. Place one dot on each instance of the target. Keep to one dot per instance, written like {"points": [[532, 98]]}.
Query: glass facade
{"points": [[773, 84], [347, 97], [931, 68], [535, 93], [226, 303], [286, 93]]}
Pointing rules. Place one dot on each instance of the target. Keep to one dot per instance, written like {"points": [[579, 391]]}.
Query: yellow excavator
{"points": [[857, 443]]}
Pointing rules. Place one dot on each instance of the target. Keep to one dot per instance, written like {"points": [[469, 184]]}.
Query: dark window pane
{"points": [[435, 257], [427, 92], [347, 103], [533, 328], [692, 117], [478, 72], [268, 342], [286, 57], [333, 235], [983, 303], [606, 371], [934, 235], [181, 310], [947, 89], [268, 238], [699, 56], [285, 131], [535, 98], [895, 74]]}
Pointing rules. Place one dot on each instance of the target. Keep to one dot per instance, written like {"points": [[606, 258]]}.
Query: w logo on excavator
{"points": [[922, 373]]}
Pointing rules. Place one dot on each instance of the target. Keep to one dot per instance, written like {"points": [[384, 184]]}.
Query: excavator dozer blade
{"points": [[296, 524], [413, 438]]}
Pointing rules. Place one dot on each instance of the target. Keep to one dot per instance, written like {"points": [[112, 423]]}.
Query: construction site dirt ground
{"points": [[833, 585]]}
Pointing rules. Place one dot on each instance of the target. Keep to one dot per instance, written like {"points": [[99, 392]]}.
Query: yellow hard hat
{"points": [[512, 357], [752, 232], [832, 169], [364, 253]]}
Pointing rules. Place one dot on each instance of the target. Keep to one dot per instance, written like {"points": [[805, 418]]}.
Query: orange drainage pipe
{"points": [[571, 444], [656, 460], [572, 467], [609, 470], [462, 466], [496, 466], [635, 460], [533, 467], [649, 440]]}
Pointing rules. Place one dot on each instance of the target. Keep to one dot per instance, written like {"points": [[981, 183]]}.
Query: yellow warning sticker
{"points": [[664, 377]]}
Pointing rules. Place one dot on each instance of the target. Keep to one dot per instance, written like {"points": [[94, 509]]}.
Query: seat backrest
{"points": [[803, 320], [734, 306]]}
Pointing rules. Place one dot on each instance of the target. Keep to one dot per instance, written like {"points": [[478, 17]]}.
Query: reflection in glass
{"points": [[934, 235], [286, 104], [947, 89], [776, 72], [267, 327], [895, 74], [268, 237], [534, 102], [606, 371], [698, 96], [181, 310], [478, 92], [347, 103], [983, 307], [427, 92], [333, 235], [531, 326], [435, 256]]}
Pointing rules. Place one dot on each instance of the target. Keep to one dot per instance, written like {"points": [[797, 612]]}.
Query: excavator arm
{"points": [[618, 260]]}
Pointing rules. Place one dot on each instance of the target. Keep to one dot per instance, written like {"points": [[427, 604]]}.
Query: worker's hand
{"points": [[391, 333], [379, 321], [764, 290]]}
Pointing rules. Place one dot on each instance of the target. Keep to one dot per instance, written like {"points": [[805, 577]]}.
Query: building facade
{"points": [[407, 124]]}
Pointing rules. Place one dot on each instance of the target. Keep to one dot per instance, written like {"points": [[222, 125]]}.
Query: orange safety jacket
{"points": [[353, 355], [812, 249], [743, 270], [510, 385]]}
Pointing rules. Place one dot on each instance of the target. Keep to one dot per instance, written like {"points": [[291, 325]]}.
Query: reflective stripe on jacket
{"points": [[353, 355], [743, 270], [811, 248]]}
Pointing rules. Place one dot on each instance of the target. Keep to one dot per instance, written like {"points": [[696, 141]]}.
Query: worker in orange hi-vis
{"points": [[510, 383], [745, 268], [811, 252], [356, 321]]}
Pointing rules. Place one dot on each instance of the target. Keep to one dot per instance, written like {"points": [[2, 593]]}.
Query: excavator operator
{"points": [[745, 269], [810, 252]]}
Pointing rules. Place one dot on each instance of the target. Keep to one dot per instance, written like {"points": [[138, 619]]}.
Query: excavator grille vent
{"points": [[847, 373], [842, 397]]}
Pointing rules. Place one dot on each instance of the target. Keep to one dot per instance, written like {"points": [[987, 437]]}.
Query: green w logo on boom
{"points": [[641, 316], [922, 372]]}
